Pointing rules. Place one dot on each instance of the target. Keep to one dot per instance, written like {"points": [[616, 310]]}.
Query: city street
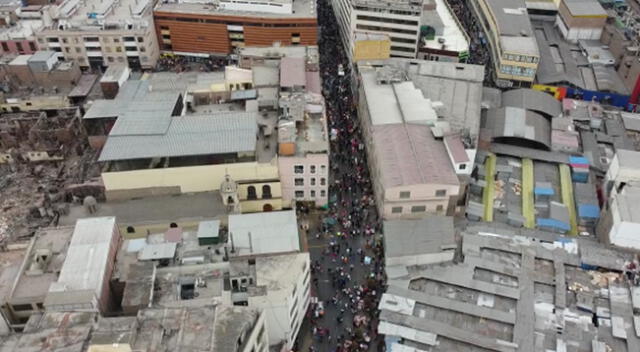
{"points": [[344, 242]]}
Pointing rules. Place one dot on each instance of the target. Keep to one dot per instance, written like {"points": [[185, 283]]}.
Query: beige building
{"points": [[581, 19], [177, 134], [513, 46], [101, 33]]}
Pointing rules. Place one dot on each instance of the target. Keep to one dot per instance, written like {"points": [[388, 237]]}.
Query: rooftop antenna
{"points": [[233, 247]]}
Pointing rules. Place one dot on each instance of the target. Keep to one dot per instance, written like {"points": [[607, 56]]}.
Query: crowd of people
{"points": [[190, 63], [478, 49], [348, 273]]}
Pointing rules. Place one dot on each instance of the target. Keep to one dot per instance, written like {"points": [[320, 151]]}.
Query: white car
{"points": [[340, 70]]}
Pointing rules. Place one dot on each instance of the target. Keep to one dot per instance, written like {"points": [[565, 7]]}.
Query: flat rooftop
{"points": [[97, 15], [453, 35], [275, 272], [34, 281], [264, 233], [300, 9], [204, 205], [414, 237], [514, 27]]}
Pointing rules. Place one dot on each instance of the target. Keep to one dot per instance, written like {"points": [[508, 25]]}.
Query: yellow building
{"points": [[371, 46], [512, 44]]}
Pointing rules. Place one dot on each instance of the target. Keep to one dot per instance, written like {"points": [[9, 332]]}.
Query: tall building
{"points": [[101, 33], [216, 27], [399, 19], [513, 47]]}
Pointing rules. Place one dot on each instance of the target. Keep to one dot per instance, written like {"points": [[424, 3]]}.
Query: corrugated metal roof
{"points": [[532, 100], [408, 154], [264, 233], [228, 132]]}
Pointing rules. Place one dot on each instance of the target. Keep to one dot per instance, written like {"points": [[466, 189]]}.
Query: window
{"points": [[52, 40], [299, 194], [251, 193], [22, 307], [405, 195], [418, 209], [116, 40], [64, 40], [129, 39], [298, 169], [5, 47], [441, 193], [313, 181], [266, 192], [312, 169], [91, 39], [323, 193], [32, 46], [439, 207], [323, 169], [119, 49], [131, 48], [110, 58], [130, 229], [78, 50], [313, 194], [323, 181], [19, 47], [299, 182], [67, 50], [142, 49], [164, 28], [396, 210], [140, 39], [462, 167], [173, 225]]}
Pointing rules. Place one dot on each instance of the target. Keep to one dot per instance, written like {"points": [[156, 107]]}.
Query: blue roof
{"points": [[588, 211], [542, 222], [578, 160], [543, 191]]}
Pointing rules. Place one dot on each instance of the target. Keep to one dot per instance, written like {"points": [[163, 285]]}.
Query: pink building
{"points": [[305, 178], [17, 36]]}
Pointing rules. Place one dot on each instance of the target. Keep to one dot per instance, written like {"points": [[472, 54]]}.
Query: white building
{"points": [[624, 219], [83, 284], [263, 233], [623, 169], [101, 33], [277, 284], [399, 19]]}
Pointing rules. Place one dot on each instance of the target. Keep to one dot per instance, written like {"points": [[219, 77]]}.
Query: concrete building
{"points": [[101, 33], [171, 134], [17, 33], [419, 242], [42, 81], [511, 293], [442, 37], [218, 27], [513, 48], [83, 282], [9, 273], [371, 46], [581, 19], [287, 81], [405, 118], [263, 233], [400, 20], [620, 223], [40, 268], [624, 169]]}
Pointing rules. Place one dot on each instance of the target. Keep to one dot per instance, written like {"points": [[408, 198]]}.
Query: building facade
{"points": [[581, 20], [513, 47], [197, 30], [98, 34]]}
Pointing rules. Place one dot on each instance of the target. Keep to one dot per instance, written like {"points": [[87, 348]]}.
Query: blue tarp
{"points": [[591, 211], [539, 191], [553, 223], [578, 160]]}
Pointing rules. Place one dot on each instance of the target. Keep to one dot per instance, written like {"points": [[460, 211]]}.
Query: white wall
{"points": [[422, 259]]}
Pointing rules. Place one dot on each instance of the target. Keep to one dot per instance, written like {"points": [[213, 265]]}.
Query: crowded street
{"points": [[346, 251]]}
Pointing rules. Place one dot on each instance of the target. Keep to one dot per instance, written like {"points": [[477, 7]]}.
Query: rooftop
{"points": [[260, 9], [264, 233], [87, 259], [509, 294], [95, 15], [280, 272], [414, 237], [512, 19], [408, 154], [585, 8], [37, 275], [451, 35]]}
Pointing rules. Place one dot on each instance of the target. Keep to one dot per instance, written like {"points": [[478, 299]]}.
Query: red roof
{"points": [[456, 149]]}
